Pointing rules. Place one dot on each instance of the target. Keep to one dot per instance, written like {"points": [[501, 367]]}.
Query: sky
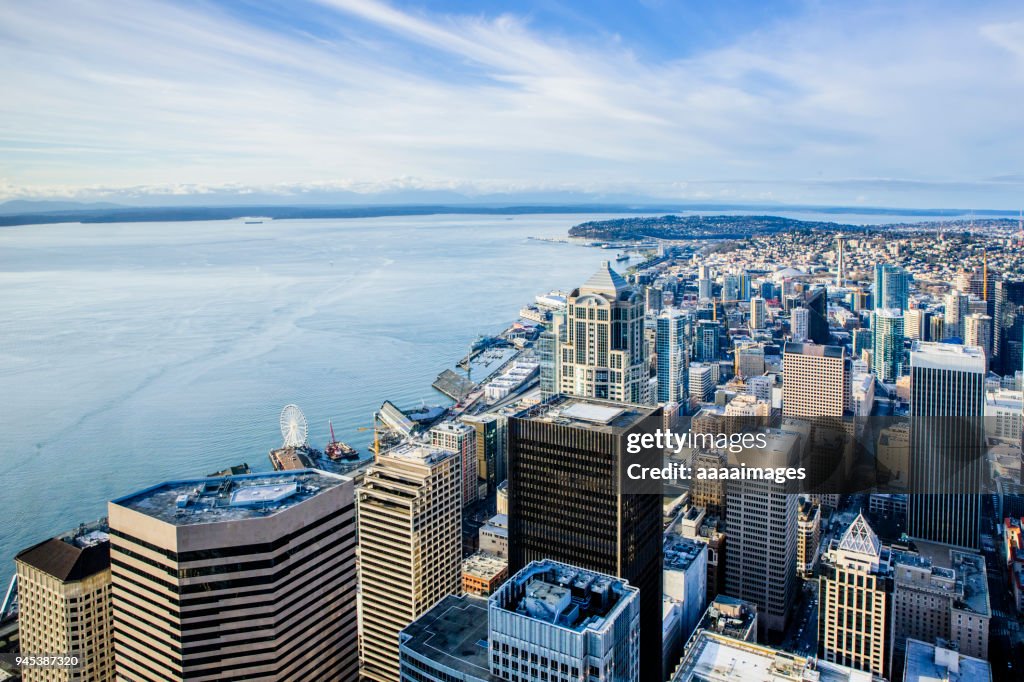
{"points": [[917, 104]]}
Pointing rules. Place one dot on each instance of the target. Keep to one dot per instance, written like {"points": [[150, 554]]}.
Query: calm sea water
{"points": [[134, 353]]}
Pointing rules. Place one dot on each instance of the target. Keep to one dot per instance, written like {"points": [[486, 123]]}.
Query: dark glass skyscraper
{"points": [[816, 301], [947, 443], [570, 500]]}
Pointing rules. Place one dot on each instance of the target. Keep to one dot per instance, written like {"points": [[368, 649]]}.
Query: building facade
{"points": [[249, 576]]}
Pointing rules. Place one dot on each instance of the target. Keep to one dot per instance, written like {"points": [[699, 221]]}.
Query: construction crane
{"points": [[716, 301], [376, 434]]}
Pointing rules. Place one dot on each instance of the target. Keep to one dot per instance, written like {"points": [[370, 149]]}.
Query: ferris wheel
{"points": [[293, 426]]}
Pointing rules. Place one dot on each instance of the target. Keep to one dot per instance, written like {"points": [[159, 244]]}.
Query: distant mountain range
{"points": [[226, 207]]}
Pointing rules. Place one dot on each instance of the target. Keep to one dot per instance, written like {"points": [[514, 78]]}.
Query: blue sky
{"points": [[859, 103]]}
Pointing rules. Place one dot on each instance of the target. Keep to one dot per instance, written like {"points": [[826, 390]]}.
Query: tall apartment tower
{"points": [[840, 260], [947, 458], [555, 621], [978, 332], [854, 606], [460, 438], [241, 577], [64, 604], [761, 527], [410, 546], [707, 340], [799, 320], [957, 305], [892, 287], [917, 324], [758, 313], [570, 500], [603, 355], [887, 343], [672, 349]]}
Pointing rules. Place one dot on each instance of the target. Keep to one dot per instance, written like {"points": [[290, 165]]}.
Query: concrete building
{"points": [[603, 355], [685, 579], [799, 324], [808, 536], [570, 499], [701, 381], [957, 306], [761, 526], [978, 332], [494, 536], [854, 607], [1004, 415], [707, 340], [502, 498], [862, 393], [939, 592], [443, 645], [410, 543], [251, 576], [917, 324], [566, 622], [64, 604], [946, 443], [931, 663], [816, 380], [750, 360], [482, 573], [461, 438]]}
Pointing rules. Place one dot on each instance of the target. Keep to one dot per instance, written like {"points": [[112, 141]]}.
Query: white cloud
{"points": [[155, 95]]}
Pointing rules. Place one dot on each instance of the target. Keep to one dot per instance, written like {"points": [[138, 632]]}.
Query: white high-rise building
{"points": [[978, 332], [799, 320], [410, 545]]}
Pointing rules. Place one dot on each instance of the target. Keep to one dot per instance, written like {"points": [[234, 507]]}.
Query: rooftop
{"points": [[453, 634], [484, 565], [729, 616], [229, 498], [928, 663], [605, 281], [814, 350], [417, 453], [565, 596], [680, 552], [588, 413], [73, 556], [716, 658]]}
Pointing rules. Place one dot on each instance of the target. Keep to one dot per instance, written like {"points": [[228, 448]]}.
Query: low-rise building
{"points": [[494, 536], [482, 573], [931, 663]]}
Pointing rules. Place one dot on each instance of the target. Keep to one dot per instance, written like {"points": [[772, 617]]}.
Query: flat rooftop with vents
{"points": [[599, 415], [228, 498]]}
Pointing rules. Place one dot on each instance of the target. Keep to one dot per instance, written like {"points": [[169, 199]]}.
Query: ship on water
{"points": [[337, 450]]}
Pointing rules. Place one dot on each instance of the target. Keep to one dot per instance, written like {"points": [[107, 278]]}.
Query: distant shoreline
{"points": [[197, 213]]}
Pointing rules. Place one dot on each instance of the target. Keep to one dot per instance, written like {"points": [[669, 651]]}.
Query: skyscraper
{"points": [[855, 601], [892, 287], [816, 302], [887, 347], [603, 355], [707, 340], [252, 576], [761, 527], [65, 606], [758, 313], [570, 500], [956, 305], [946, 442], [978, 332], [917, 324], [672, 350], [410, 545], [798, 324], [490, 447], [816, 380]]}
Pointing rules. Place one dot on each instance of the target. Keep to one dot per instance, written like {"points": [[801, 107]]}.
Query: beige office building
{"points": [[460, 438], [604, 355], [64, 605], [410, 546], [237, 577], [854, 602], [816, 380]]}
